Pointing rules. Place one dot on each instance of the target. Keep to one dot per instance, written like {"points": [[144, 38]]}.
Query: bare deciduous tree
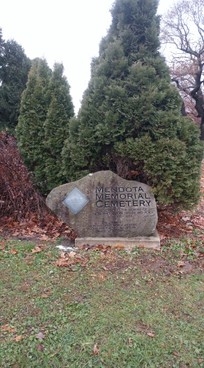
{"points": [[183, 29]]}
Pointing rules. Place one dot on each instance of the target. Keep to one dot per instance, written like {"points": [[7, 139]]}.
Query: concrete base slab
{"points": [[152, 242]]}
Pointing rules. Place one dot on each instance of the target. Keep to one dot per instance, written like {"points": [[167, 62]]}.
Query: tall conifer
{"points": [[33, 112], [57, 126], [46, 108], [14, 68], [130, 118]]}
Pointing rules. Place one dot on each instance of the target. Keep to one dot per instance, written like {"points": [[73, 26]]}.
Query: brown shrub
{"points": [[18, 196]]}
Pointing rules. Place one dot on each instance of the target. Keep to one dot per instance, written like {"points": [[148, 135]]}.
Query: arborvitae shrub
{"points": [[130, 119], [43, 125]]}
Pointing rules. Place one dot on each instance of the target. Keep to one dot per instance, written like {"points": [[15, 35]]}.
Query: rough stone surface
{"points": [[105, 205]]}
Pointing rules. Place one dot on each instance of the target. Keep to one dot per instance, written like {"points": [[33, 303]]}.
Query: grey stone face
{"points": [[104, 205]]}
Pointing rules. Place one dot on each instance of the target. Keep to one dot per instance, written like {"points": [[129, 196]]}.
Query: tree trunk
{"points": [[202, 128], [198, 97], [183, 109]]}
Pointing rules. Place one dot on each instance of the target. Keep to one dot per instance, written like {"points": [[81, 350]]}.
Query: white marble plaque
{"points": [[75, 201]]}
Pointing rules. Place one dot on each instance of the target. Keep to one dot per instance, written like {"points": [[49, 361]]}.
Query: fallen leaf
{"points": [[2, 245], [37, 249], [7, 328], [180, 264], [63, 254], [18, 338], [72, 254], [98, 247], [62, 262], [103, 248], [40, 347], [105, 268], [118, 246], [40, 336], [44, 296], [66, 261], [96, 349], [13, 251], [44, 237], [151, 334], [130, 341], [101, 276]]}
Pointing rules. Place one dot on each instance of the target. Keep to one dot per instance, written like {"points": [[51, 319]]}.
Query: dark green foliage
{"points": [[130, 103], [14, 67], [30, 131], [43, 126], [57, 126], [170, 165]]}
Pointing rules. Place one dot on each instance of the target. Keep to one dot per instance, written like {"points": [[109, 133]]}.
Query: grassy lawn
{"points": [[106, 309]]}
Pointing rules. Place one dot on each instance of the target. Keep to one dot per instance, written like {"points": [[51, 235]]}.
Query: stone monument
{"points": [[103, 208]]}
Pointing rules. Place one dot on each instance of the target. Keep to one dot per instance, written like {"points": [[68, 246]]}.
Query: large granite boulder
{"points": [[105, 205]]}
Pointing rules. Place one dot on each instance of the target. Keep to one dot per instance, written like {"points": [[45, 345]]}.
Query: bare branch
{"points": [[183, 31]]}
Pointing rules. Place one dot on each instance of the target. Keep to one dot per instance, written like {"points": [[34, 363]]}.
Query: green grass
{"points": [[138, 309]]}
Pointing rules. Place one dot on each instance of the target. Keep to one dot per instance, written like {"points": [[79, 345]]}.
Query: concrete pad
{"points": [[152, 242]]}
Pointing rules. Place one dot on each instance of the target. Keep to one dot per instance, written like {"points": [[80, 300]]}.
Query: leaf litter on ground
{"points": [[71, 259]]}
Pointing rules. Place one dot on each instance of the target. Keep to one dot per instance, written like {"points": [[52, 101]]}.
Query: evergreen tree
{"points": [[130, 118], [33, 112], [14, 68], [43, 126], [57, 126], [1, 47]]}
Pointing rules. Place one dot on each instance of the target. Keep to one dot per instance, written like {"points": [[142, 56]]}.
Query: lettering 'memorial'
{"points": [[104, 205]]}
